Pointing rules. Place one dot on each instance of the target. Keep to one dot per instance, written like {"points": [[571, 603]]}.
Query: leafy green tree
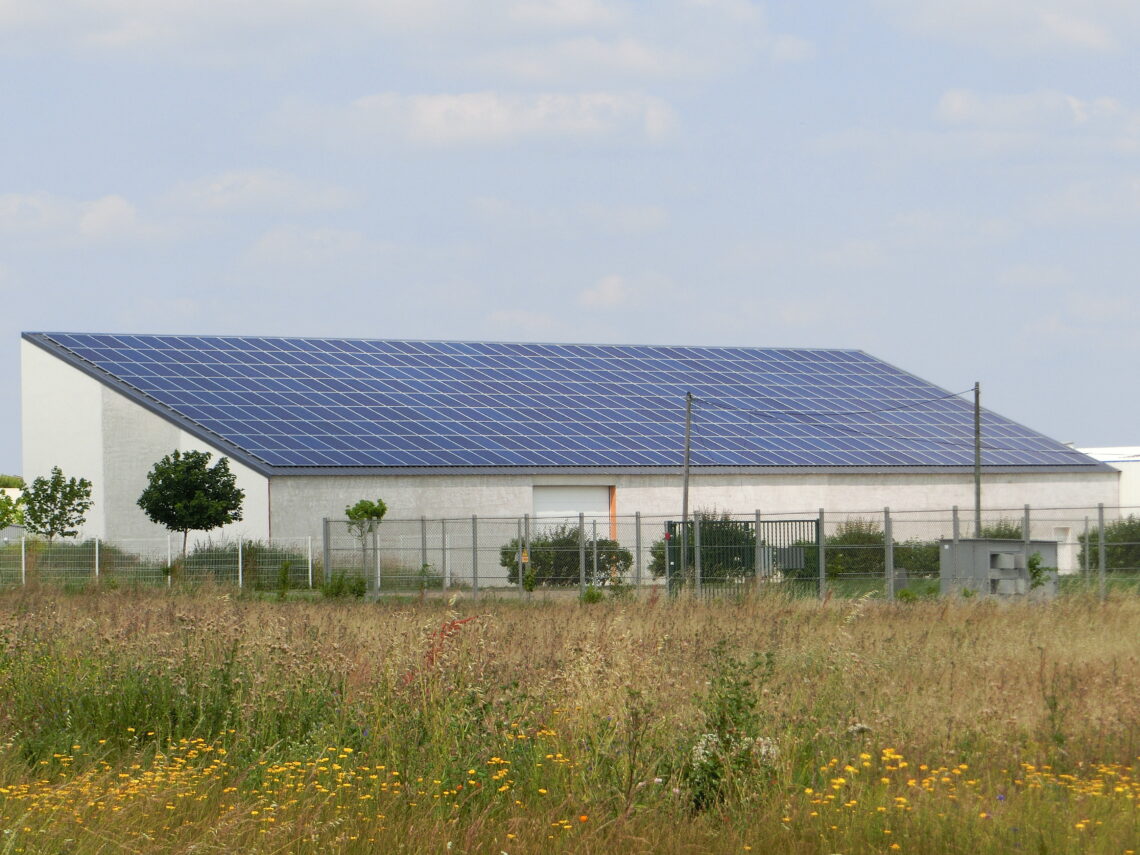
{"points": [[56, 506], [1121, 545], [555, 558], [184, 493], [11, 510], [363, 517], [12, 481]]}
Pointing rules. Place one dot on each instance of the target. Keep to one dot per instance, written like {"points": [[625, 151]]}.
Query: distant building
{"points": [[451, 429], [1126, 459]]}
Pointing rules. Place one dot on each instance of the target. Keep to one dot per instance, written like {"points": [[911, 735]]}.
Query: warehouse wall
{"points": [[299, 503], [73, 421]]}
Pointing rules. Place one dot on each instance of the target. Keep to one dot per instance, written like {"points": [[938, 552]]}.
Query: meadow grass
{"points": [[155, 721]]}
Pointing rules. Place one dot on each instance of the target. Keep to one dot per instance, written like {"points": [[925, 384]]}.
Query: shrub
{"points": [[728, 548], [1121, 545], [555, 558], [341, 584], [592, 594], [1002, 529]]}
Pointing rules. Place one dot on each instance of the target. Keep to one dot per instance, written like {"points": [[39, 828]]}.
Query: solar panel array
{"points": [[291, 402]]}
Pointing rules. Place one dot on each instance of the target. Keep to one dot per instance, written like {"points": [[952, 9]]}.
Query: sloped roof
{"points": [[305, 405]]}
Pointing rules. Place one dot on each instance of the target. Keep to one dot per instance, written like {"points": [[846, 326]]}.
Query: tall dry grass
{"points": [[153, 722]]}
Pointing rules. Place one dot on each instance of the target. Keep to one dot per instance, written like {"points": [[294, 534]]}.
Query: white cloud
{"points": [[564, 13], [1109, 201], [1022, 26], [607, 292], [1045, 109], [481, 118], [56, 219], [538, 39], [257, 190], [292, 247]]}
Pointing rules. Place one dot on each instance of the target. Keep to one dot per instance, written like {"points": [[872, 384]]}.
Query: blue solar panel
{"points": [[351, 403]]}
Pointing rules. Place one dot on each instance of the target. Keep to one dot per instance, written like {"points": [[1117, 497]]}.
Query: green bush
{"points": [[728, 548], [1002, 529], [341, 584], [592, 594], [555, 558], [1121, 546]]}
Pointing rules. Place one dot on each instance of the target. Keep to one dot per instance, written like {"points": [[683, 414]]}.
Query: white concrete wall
{"points": [[62, 425], [299, 503], [90, 430], [1126, 459]]}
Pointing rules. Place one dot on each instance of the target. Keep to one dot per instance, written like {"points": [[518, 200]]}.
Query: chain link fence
{"points": [[717, 555], [809, 554], [282, 563]]}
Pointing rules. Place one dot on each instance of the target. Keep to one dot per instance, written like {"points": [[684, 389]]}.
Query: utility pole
{"points": [[685, 485], [977, 460]]}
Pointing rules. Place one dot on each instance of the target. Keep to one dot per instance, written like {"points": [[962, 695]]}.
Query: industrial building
{"points": [[451, 429]]}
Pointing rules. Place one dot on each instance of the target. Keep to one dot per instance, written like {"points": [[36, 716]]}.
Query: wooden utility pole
{"points": [[977, 460]]}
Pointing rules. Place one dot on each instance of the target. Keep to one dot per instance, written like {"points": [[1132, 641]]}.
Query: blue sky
{"points": [[952, 187]]}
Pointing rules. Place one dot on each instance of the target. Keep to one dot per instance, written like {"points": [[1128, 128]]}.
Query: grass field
{"points": [[151, 721]]}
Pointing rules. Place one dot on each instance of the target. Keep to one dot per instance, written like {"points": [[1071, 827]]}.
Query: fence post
{"points": [[519, 554], [1085, 552], [1025, 531], [581, 554], [594, 535], [1101, 551], [697, 553], [96, 559], [957, 525], [821, 542], [326, 550], [376, 559], [474, 555], [23, 560], [423, 544], [169, 562], [240, 574], [889, 553], [443, 554], [526, 540], [637, 549], [758, 559]]}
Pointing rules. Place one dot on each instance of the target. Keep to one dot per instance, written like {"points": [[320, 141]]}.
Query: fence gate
{"points": [[721, 553]]}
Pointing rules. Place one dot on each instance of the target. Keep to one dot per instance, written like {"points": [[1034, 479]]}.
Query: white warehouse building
{"points": [[452, 429]]}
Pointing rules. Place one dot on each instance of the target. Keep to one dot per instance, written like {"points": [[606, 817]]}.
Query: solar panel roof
{"points": [[292, 404]]}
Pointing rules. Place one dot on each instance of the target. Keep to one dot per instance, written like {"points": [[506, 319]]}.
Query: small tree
{"points": [[56, 506], [363, 517], [184, 493]]}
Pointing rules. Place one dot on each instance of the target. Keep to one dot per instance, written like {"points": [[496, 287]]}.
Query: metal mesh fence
{"points": [[260, 565], [840, 554], [726, 554]]}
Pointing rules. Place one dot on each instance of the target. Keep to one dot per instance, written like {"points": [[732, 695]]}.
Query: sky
{"points": [[952, 187]]}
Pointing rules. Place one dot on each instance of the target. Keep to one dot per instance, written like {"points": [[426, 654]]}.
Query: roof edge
{"points": [[45, 342]]}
